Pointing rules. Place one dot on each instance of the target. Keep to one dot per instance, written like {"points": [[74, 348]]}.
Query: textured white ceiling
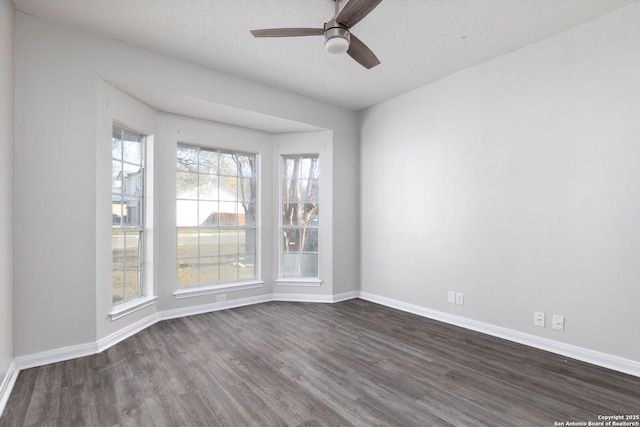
{"points": [[417, 41]]}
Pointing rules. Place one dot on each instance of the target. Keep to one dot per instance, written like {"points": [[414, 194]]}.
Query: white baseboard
{"points": [[593, 357], [345, 296], [126, 332], [302, 298], [7, 384], [216, 306], [315, 298], [56, 355]]}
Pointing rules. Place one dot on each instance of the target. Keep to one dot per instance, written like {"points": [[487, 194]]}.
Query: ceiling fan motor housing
{"points": [[336, 37]]}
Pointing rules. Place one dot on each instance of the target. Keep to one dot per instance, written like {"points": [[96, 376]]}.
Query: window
{"points": [[300, 219], [127, 202], [216, 212]]}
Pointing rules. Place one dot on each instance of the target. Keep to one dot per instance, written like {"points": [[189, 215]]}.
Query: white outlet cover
{"points": [[538, 319], [451, 297], [459, 298], [558, 322]]}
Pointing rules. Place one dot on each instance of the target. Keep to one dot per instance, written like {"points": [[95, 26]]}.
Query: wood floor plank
{"points": [[353, 363]]}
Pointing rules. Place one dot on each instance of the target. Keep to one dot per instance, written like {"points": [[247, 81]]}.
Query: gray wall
{"points": [[6, 185], [517, 183], [60, 98]]}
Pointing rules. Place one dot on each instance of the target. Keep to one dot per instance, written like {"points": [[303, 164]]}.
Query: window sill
{"points": [[132, 306], [299, 281], [197, 291]]}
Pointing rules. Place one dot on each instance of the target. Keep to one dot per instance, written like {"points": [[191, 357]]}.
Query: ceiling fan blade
{"points": [[355, 10], [288, 32], [361, 53]]}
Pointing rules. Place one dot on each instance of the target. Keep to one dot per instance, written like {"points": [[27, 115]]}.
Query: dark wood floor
{"points": [[300, 364]]}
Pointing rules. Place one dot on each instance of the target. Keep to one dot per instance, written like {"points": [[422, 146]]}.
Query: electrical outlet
{"points": [[451, 297], [459, 298], [221, 297], [538, 319], [557, 322]]}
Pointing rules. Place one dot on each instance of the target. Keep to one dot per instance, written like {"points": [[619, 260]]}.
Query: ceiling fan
{"points": [[338, 38]]}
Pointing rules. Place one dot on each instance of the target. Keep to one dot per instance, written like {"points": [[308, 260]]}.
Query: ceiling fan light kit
{"points": [[337, 36]]}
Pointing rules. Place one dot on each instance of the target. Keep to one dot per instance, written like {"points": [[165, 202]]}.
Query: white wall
{"points": [[516, 182], [59, 111], [6, 185]]}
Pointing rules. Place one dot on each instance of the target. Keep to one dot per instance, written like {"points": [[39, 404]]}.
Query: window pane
{"points": [[247, 241], [188, 273], [187, 158], [228, 242], [187, 243], [247, 189], [117, 280], [247, 268], [291, 240], [132, 282], [309, 265], [309, 240], [117, 250], [241, 216], [310, 191], [132, 182], [246, 165], [208, 161], [132, 211], [116, 176], [249, 214], [229, 268], [310, 168], [209, 271], [208, 187], [291, 265], [209, 241], [228, 165], [187, 185], [187, 213], [132, 149], [228, 214], [290, 191], [116, 145], [290, 164], [132, 249], [116, 211], [208, 213], [228, 188]]}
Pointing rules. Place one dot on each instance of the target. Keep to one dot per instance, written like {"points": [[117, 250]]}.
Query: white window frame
{"points": [[287, 230], [201, 288], [140, 229]]}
